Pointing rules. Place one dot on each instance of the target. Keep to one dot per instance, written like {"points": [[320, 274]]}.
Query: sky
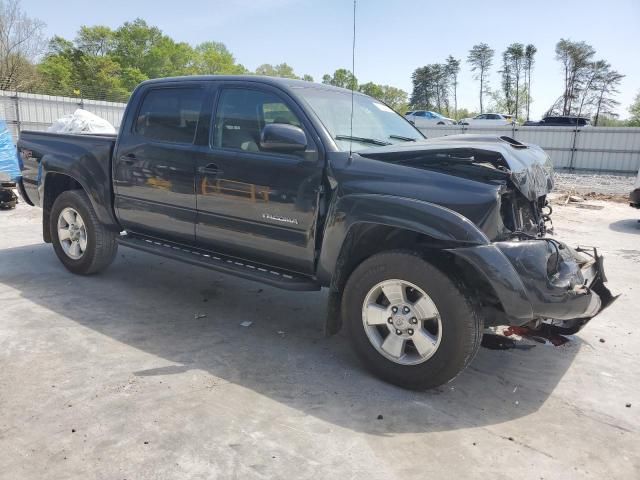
{"points": [[393, 37]]}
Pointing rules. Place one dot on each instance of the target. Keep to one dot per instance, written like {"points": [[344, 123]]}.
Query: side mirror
{"points": [[282, 137]]}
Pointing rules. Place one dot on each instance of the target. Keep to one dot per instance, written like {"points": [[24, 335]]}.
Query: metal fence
{"points": [[603, 149], [30, 111]]}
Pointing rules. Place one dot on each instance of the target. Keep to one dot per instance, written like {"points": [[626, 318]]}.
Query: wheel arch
{"points": [[56, 180], [54, 184], [362, 225]]}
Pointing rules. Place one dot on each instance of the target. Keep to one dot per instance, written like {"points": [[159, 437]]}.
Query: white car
{"points": [[489, 120], [425, 118]]}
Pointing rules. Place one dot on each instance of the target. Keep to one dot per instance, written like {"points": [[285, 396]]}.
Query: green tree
{"points": [[396, 98], [372, 89], [431, 87], [213, 58], [506, 99], [515, 53], [392, 96], [307, 78], [634, 110], [481, 58], [465, 113], [134, 42], [605, 86], [529, 59], [281, 70], [97, 41], [577, 62], [341, 78], [453, 69]]}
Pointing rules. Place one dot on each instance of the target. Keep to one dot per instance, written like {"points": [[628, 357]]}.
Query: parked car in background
{"points": [[489, 120], [426, 118], [634, 196], [560, 121]]}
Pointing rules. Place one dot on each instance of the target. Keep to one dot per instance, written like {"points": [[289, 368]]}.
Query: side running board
{"points": [[220, 263]]}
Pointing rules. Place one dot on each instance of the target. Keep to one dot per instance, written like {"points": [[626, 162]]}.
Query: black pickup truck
{"points": [[421, 243]]}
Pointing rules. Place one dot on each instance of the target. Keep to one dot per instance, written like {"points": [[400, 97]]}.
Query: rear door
{"points": [[253, 204], [154, 165]]}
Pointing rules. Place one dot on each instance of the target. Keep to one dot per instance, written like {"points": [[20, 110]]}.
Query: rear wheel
{"points": [[80, 241], [411, 324]]}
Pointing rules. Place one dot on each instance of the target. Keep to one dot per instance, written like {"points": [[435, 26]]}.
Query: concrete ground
{"points": [[145, 372]]}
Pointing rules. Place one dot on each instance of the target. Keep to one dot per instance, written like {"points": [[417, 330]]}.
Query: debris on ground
{"points": [[199, 315], [590, 206], [574, 199], [540, 336], [246, 323], [281, 333], [628, 405], [380, 417], [602, 340]]}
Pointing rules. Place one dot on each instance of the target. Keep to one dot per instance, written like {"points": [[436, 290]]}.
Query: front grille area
{"points": [[522, 216]]}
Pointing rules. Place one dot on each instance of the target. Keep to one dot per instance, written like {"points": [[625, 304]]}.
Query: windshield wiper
{"points": [[372, 141], [400, 137]]}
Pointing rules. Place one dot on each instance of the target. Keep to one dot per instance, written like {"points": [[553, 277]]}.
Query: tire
{"points": [[100, 243], [459, 328]]}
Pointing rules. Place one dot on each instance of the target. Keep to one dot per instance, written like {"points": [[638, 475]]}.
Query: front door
{"points": [[255, 204], [154, 168]]}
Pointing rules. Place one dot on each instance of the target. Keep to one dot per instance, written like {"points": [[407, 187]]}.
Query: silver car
{"points": [[426, 118]]}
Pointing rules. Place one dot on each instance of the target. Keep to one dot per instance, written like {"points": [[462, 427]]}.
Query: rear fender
{"points": [[88, 172]]}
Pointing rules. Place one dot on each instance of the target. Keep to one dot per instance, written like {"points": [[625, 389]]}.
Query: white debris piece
{"points": [[246, 323], [81, 121]]}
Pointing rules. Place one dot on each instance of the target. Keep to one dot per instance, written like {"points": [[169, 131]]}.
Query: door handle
{"points": [[128, 159], [210, 169]]}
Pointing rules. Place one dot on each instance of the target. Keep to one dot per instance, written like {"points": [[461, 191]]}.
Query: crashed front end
{"points": [[537, 279], [532, 279]]}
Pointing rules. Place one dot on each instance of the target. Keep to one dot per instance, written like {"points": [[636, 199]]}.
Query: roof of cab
{"points": [[284, 83]]}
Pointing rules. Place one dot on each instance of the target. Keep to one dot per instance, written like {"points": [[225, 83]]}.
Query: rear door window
{"points": [[170, 114]]}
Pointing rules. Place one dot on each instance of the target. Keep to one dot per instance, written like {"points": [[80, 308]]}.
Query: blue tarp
{"points": [[9, 162]]}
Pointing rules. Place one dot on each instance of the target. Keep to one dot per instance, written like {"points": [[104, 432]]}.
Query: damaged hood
{"points": [[527, 166]]}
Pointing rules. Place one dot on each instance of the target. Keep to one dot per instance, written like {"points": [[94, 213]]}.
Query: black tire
{"points": [[101, 242], [462, 324]]}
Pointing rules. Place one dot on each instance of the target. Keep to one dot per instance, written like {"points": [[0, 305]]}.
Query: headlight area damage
{"points": [[542, 282]]}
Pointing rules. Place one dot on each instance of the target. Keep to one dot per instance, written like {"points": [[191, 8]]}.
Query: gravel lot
{"points": [[144, 372], [587, 182]]}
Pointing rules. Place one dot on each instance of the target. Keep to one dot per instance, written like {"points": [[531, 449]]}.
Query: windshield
{"points": [[374, 124], [436, 114]]}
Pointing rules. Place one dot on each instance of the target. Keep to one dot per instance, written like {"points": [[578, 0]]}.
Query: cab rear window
{"points": [[170, 114]]}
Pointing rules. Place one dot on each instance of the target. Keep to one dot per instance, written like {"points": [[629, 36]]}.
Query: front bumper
{"points": [[542, 279]]}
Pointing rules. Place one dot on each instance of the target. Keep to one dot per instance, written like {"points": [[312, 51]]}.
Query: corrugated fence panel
{"points": [[596, 148], [602, 148], [38, 112]]}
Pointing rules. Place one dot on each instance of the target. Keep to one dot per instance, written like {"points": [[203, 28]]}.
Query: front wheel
{"points": [[410, 323], [81, 242]]}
